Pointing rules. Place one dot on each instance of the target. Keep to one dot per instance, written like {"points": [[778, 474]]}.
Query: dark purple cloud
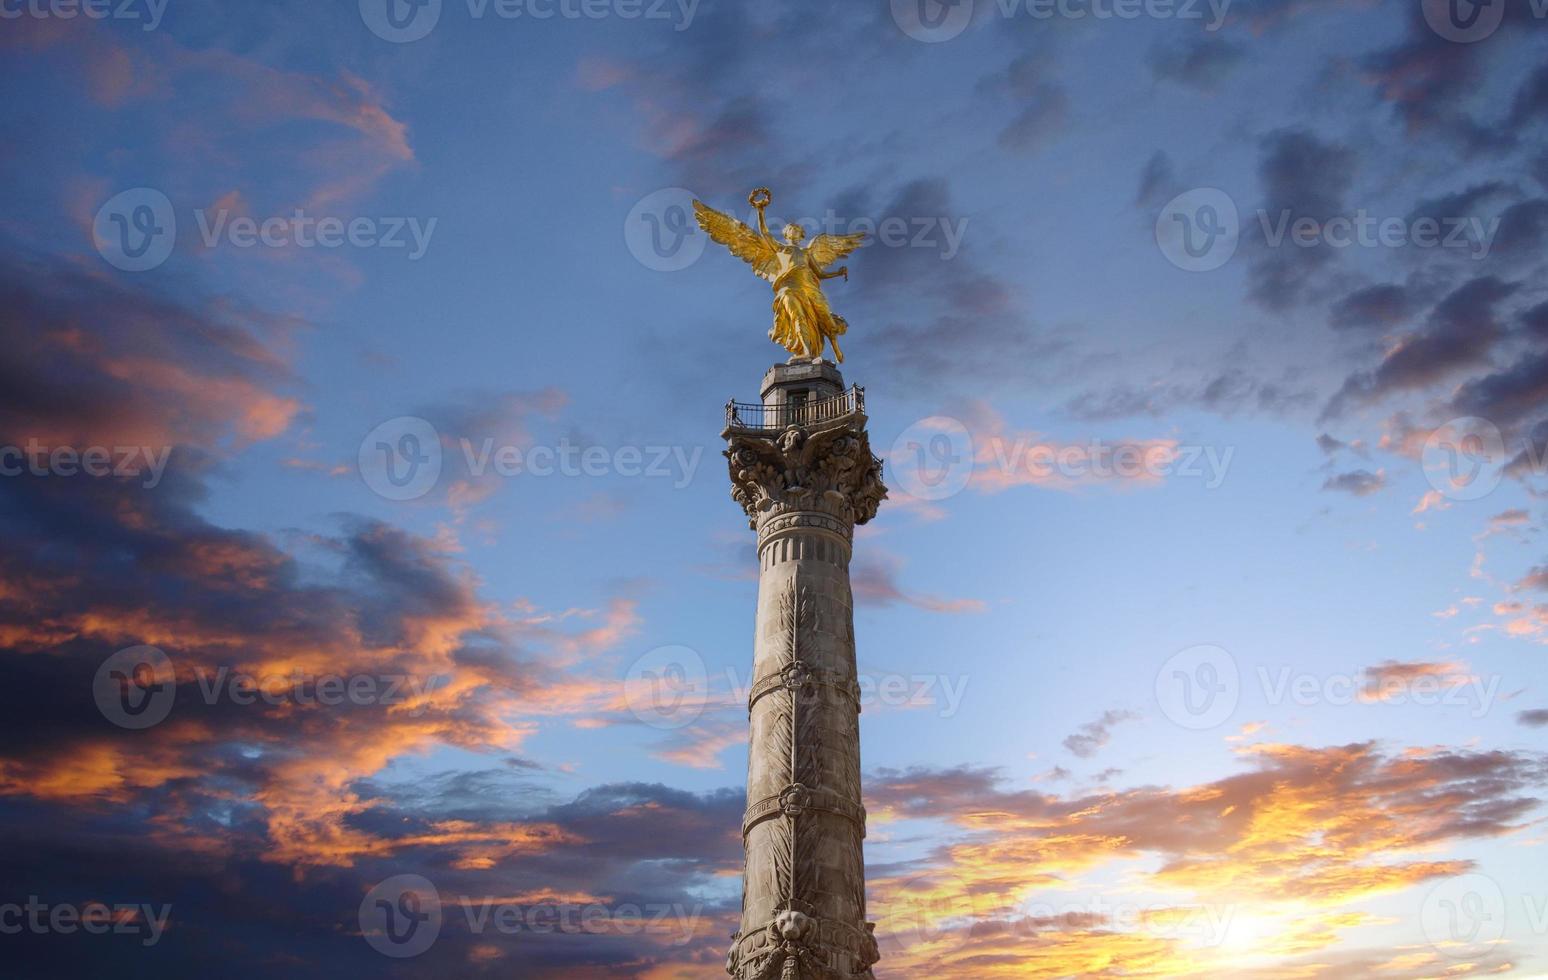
{"points": [[1303, 177], [1459, 333]]}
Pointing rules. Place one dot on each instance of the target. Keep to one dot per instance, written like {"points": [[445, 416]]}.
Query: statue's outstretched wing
{"points": [[827, 249], [744, 243]]}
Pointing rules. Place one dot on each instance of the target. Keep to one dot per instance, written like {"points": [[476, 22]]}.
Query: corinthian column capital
{"points": [[820, 466]]}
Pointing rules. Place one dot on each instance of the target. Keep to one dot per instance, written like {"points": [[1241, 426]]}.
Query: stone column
{"points": [[802, 469]]}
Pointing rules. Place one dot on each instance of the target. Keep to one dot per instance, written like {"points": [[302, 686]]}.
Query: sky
{"points": [[373, 601]]}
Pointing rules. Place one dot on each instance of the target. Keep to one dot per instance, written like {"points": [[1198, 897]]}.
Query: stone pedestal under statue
{"points": [[802, 469]]}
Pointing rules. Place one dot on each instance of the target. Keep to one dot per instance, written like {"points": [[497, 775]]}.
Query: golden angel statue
{"points": [[803, 322]]}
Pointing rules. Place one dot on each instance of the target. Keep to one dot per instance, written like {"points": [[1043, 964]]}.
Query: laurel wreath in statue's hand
{"points": [[760, 198]]}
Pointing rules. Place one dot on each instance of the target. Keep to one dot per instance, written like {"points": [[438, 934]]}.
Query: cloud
{"points": [[1041, 104], [1204, 62], [1359, 483], [1375, 308], [1534, 718], [1303, 177], [943, 321], [1394, 679], [1329, 445], [1510, 397], [699, 746], [1529, 461], [1536, 579], [1093, 736], [1523, 228], [94, 362], [475, 429], [1431, 500], [249, 110], [874, 580], [1459, 333], [393, 610], [1157, 181], [1464, 203], [1422, 76], [1536, 320], [1229, 392], [484, 838], [1004, 458], [1292, 845]]}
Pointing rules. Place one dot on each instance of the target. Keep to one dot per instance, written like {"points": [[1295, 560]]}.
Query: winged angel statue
{"points": [[803, 322]]}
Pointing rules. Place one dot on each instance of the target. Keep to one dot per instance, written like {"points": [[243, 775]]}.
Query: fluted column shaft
{"points": [[804, 487]]}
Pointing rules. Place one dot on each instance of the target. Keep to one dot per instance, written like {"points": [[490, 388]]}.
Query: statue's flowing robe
{"points": [[803, 323]]}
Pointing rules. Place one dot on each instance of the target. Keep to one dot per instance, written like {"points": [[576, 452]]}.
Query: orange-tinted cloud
{"points": [[1266, 863]]}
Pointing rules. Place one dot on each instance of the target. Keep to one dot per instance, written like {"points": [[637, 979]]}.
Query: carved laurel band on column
{"points": [[796, 799], [799, 677]]}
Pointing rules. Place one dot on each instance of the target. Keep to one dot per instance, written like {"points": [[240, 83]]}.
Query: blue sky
{"points": [[1377, 755]]}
